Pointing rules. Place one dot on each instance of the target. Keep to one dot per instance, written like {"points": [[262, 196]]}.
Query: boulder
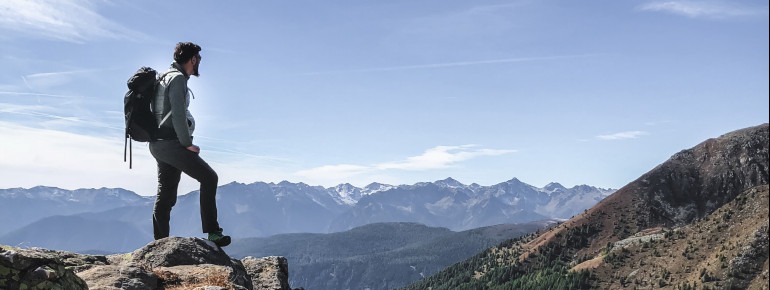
{"points": [[184, 263], [268, 273], [126, 277], [36, 269], [187, 262], [200, 276], [175, 251]]}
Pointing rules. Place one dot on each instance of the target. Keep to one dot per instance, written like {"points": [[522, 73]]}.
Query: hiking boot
{"points": [[219, 239]]}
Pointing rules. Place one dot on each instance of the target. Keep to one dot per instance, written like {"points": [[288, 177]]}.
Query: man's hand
{"points": [[194, 148]]}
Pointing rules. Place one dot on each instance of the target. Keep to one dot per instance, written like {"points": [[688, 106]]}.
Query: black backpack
{"points": [[140, 120]]}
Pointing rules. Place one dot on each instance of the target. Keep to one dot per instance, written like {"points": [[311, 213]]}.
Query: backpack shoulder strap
{"points": [[165, 91]]}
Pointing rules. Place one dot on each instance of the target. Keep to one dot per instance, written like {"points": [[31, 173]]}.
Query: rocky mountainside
{"points": [[727, 249], [39, 216], [717, 186], [170, 263]]}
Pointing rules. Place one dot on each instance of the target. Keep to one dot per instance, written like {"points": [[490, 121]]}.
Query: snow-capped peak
{"points": [[449, 182]]}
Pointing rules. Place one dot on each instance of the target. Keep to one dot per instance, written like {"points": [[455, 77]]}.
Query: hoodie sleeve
{"points": [[177, 93]]}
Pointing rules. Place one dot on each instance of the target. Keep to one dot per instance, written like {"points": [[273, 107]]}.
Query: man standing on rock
{"points": [[174, 149]]}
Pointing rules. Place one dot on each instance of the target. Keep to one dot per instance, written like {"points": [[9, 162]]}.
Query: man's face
{"points": [[197, 62]]}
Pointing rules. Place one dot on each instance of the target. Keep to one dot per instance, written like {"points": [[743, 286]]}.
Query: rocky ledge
{"points": [[170, 263]]}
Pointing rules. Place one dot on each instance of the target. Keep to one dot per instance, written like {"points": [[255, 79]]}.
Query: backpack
{"points": [[140, 120]]}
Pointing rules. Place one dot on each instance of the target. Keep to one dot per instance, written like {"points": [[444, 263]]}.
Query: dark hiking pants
{"points": [[173, 159]]}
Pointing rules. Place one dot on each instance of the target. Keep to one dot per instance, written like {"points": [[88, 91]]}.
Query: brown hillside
{"points": [[688, 186], [727, 249]]}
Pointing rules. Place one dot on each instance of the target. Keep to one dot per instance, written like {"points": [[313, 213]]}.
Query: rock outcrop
{"points": [[268, 273], [184, 263], [38, 269], [697, 181]]}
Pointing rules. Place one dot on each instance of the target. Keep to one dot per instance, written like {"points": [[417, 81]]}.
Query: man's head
{"points": [[188, 55]]}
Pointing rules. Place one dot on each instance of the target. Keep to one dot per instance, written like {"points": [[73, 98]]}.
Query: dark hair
{"points": [[184, 51]]}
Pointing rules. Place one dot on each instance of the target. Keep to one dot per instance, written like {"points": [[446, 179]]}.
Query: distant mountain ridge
{"points": [[451, 204], [264, 209], [20, 207]]}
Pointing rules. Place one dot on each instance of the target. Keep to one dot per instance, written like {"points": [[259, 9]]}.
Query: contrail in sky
{"points": [[448, 64], [36, 94]]}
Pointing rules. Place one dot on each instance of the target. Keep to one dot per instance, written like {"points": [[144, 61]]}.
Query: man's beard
{"points": [[195, 70]]}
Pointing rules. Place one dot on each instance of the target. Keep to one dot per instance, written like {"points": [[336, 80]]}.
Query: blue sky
{"points": [[397, 92]]}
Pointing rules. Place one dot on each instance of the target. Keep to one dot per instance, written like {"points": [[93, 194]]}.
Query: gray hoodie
{"points": [[170, 107]]}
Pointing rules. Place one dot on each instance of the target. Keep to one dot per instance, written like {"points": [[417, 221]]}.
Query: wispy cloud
{"points": [[438, 157], [623, 135], [51, 117], [65, 20], [34, 94], [32, 156], [705, 9], [36, 110], [447, 64], [49, 80], [35, 156], [441, 157], [240, 154]]}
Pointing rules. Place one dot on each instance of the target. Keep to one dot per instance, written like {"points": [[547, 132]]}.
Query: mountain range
{"points": [[43, 216], [697, 221]]}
